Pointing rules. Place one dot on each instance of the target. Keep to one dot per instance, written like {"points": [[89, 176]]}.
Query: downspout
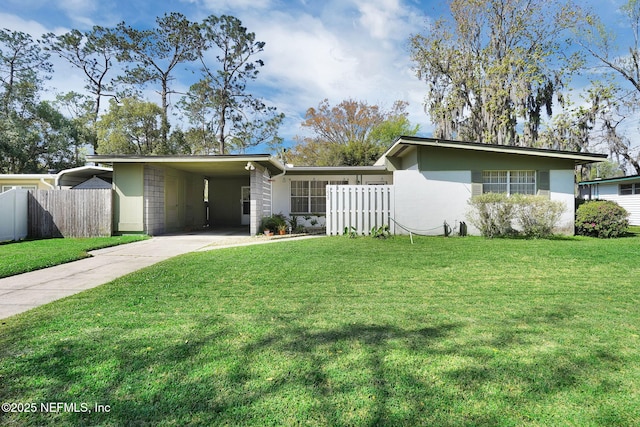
{"points": [[49, 185]]}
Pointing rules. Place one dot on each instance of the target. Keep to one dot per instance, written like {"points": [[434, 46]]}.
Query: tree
{"points": [[154, 54], [495, 64], [351, 133], [23, 68], [131, 127], [238, 119], [93, 52], [617, 99]]}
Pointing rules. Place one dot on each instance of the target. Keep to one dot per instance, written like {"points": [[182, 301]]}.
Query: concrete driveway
{"points": [[25, 291]]}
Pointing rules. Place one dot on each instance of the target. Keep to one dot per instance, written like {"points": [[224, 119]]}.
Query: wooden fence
{"points": [[70, 213], [362, 207]]}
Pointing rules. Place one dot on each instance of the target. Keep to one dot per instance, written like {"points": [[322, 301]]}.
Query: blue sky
{"points": [[315, 49]]}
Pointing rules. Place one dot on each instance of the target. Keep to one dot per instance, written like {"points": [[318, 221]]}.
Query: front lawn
{"points": [[337, 331], [29, 255]]}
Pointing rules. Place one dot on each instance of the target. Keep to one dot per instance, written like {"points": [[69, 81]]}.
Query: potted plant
{"points": [[272, 223], [282, 229]]}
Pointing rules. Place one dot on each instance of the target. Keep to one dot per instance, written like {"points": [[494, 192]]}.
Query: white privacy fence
{"points": [[13, 215], [359, 208]]}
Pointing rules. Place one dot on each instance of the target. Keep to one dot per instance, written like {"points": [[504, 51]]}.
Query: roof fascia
{"points": [[398, 147], [611, 180]]}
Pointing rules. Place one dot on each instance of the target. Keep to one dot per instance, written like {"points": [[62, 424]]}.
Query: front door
{"points": [[245, 205]]}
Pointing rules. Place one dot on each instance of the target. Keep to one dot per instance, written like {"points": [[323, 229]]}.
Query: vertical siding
{"points": [[13, 215], [362, 207]]}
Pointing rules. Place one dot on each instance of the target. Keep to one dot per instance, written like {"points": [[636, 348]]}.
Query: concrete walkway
{"points": [[25, 291]]}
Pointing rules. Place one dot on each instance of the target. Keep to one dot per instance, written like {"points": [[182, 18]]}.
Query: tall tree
{"points": [[153, 55], [351, 133], [23, 68], [238, 119], [617, 96], [493, 65], [94, 53]]}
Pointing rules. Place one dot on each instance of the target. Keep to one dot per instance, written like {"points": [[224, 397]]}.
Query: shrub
{"points": [[601, 218], [492, 214], [537, 216]]}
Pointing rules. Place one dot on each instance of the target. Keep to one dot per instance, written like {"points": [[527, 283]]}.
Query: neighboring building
{"points": [[31, 181], [625, 191], [85, 177], [432, 182], [68, 178]]}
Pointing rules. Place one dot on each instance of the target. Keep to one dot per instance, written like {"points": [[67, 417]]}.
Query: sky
{"points": [[315, 49]]}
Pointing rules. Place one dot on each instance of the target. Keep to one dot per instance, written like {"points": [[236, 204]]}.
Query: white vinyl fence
{"points": [[13, 214], [362, 207]]}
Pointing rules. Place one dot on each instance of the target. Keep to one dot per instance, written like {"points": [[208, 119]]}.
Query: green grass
{"points": [[29, 255], [337, 331]]}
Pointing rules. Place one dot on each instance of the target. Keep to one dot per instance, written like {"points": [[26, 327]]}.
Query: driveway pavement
{"points": [[25, 291]]}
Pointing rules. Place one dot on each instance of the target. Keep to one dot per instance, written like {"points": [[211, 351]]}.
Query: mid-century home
{"points": [[417, 185]]}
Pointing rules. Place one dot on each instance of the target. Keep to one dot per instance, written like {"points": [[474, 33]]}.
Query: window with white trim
{"points": [[509, 182], [24, 187], [629, 189], [310, 197]]}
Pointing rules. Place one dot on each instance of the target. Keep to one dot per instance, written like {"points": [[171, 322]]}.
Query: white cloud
{"points": [[217, 5], [360, 54], [28, 26]]}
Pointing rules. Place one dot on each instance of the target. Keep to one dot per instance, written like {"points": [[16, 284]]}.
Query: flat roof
{"points": [[329, 170], [610, 180], [403, 142], [225, 164]]}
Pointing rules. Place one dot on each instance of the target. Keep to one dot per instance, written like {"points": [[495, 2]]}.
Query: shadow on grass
{"points": [[213, 372]]}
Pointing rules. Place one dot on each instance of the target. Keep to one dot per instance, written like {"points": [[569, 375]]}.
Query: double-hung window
{"points": [[310, 197], [509, 182]]}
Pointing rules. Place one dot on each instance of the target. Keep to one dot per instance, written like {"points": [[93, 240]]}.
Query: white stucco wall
{"points": [[562, 186], [425, 200]]}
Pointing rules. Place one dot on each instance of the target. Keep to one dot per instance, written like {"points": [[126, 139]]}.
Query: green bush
{"points": [[537, 216], [601, 218], [492, 214], [495, 214]]}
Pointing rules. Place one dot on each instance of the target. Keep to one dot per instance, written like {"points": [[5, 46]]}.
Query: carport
{"points": [[168, 194]]}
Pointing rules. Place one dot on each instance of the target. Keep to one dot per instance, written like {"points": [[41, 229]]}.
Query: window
{"points": [[628, 189], [24, 187], [310, 196], [510, 182]]}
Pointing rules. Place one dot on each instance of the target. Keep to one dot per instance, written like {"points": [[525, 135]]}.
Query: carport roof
{"points": [[215, 165]]}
